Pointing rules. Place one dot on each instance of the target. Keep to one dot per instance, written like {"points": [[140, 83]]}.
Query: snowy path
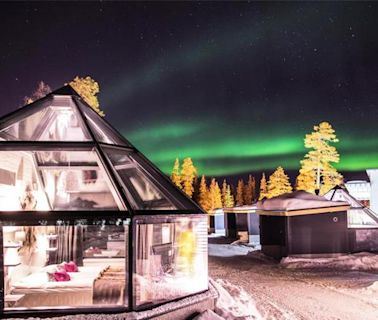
{"points": [[282, 293]]}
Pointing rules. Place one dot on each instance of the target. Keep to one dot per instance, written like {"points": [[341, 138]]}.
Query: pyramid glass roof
{"points": [[59, 154], [358, 215]]}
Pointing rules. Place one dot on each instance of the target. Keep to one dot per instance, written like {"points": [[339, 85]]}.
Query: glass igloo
{"points": [[87, 222]]}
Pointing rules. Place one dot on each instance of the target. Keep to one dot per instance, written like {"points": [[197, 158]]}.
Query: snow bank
{"points": [[208, 315], [373, 288], [363, 261], [234, 303]]}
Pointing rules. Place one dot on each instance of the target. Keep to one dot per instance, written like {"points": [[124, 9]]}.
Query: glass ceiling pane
{"points": [[142, 191], [101, 129], [57, 121]]}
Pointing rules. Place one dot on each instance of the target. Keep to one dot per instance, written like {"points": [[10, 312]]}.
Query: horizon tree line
{"points": [[317, 175]]}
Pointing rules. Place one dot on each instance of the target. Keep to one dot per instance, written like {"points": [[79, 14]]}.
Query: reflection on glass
{"points": [[142, 190], [361, 217], [65, 266], [54, 180], [171, 259], [102, 131]]}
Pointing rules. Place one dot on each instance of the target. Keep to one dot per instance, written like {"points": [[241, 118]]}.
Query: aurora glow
{"points": [[234, 85]]}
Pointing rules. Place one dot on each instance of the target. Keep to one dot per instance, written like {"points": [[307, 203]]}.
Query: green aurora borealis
{"points": [[253, 150], [234, 85]]}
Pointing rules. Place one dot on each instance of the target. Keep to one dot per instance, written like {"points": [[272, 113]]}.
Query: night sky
{"points": [[236, 86]]}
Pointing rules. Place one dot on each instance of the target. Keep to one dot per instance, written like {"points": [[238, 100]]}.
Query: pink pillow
{"points": [[61, 276], [69, 266]]}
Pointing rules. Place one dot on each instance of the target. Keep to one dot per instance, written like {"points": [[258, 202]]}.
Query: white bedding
{"points": [[39, 280]]}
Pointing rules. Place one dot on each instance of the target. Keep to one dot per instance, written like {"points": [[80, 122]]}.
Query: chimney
{"points": [[373, 176]]}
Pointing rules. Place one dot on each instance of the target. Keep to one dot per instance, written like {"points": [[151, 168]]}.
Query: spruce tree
{"points": [[204, 195], [279, 183], [305, 181], [249, 190], [224, 192], [240, 193], [175, 176], [215, 195], [263, 188], [188, 175], [229, 198]]}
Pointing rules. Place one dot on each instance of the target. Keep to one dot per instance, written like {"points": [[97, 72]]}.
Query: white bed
{"points": [[40, 292]]}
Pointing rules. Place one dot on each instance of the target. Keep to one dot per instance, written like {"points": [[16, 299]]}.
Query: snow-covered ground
{"points": [[363, 261], [325, 290]]}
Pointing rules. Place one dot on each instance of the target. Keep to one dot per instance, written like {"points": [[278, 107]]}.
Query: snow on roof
{"points": [[241, 209], [298, 200]]}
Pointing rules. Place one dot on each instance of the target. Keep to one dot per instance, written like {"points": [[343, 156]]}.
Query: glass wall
{"points": [[170, 258], [55, 180], [65, 266], [362, 218]]}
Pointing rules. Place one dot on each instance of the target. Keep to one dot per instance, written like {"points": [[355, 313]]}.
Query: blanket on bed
{"points": [[110, 287]]}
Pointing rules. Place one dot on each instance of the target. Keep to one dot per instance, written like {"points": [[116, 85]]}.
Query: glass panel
{"points": [[54, 180], [74, 181], [100, 128], [142, 191], [65, 266], [171, 258], [57, 122], [20, 186], [360, 218]]}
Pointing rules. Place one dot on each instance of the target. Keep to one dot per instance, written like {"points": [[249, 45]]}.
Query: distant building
{"points": [[365, 191], [360, 190], [373, 177]]}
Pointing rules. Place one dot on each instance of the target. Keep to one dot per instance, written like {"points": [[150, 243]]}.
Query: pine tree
{"points": [[263, 188], [305, 181], [204, 195], [229, 198], [319, 159], [88, 89], [188, 175], [331, 178], [215, 195], [224, 192], [175, 176], [249, 190], [239, 193], [42, 90], [278, 183]]}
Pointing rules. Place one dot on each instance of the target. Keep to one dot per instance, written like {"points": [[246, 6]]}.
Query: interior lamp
{"points": [[11, 257]]}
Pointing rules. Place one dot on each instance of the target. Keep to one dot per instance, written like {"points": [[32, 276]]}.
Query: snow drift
{"points": [[234, 303], [363, 261]]}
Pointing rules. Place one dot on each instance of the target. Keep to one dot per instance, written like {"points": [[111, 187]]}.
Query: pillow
{"points": [[70, 266], [61, 276]]}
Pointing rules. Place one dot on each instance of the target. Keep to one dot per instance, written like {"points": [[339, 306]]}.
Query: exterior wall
{"points": [[273, 231], [320, 233], [307, 234]]}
